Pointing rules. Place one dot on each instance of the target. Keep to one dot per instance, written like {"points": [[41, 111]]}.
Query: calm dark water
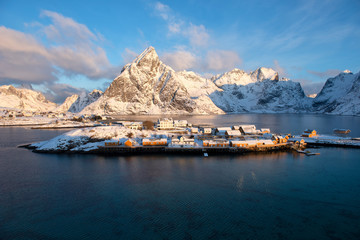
{"points": [[257, 196]]}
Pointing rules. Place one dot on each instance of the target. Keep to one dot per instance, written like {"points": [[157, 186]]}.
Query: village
{"points": [[181, 136], [106, 135]]}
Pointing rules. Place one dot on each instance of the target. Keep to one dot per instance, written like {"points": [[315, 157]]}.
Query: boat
{"points": [[341, 131]]}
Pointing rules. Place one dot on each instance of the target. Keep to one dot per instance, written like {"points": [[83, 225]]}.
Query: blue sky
{"points": [[63, 47]]}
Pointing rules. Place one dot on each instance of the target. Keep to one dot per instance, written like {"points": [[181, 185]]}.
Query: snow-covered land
{"points": [[87, 139], [328, 140]]}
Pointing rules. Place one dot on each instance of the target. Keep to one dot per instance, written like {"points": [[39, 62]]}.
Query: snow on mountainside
{"points": [[259, 91], [65, 106], [24, 99], [147, 86], [76, 103], [84, 100], [340, 95]]}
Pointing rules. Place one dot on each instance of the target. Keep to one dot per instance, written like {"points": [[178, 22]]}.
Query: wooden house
{"points": [[111, 143], [207, 131], [248, 129], [194, 130], [265, 130], [154, 142], [222, 130], [232, 134], [309, 133]]}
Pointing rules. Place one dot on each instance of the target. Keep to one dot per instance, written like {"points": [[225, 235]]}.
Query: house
{"points": [[309, 133], [207, 131], [183, 141], [279, 139], [232, 133], [154, 142], [252, 143], [235, 128], [265, 130], [248, 129], [194, 130], [180, 123], [111, 143], [128, 143], [165, 124], [133, 125], [211, 143], [222, 130], [27, 114]]}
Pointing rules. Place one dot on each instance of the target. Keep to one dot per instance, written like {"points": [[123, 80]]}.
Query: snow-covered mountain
{"points": [[259, 91], [24, 99], [340, 95], [76, 103], [147, 86]]}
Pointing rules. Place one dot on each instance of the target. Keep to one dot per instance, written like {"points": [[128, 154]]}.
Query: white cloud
{"points": [[23, 58], [197, 35], [282, 72], [310, 87], [222, 60], [326, 74], [129, 55], [163, 10], [65, 30], [58, 92], [180, 60], [213, 61], [72, 49]]}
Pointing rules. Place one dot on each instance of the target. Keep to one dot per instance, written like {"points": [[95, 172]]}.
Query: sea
{"points": [[279, 195]]}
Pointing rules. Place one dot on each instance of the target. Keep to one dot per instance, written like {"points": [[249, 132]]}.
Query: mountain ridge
{"points": [[148, 86]]}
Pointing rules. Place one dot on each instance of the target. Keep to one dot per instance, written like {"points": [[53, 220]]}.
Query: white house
{"points": [[222, 130], [182, 141], [248, 129], [232, 133], [207, 130], [180, 123], [133, 125], [165, 124], [194, 130]]}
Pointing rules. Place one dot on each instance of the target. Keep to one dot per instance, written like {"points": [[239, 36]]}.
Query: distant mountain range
{"points": [[148, 86]]}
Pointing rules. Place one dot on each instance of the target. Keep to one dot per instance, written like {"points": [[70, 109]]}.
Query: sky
{"points": [[67, 47]]}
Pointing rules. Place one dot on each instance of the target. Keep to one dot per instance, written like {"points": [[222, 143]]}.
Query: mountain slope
{"points": [[340, 95], [76, 103], [147, 86], [24, 99], [259, 91]]}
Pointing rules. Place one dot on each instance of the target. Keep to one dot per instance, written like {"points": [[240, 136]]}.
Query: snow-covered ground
{"points": [[328, 140], [87, 139]]}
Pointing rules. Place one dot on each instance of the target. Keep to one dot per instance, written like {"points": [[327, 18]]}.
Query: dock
{"points": [[138, 150]]}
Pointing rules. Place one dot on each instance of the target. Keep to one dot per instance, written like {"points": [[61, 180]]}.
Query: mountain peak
{"points": [[148, 54], [263, 73]]}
